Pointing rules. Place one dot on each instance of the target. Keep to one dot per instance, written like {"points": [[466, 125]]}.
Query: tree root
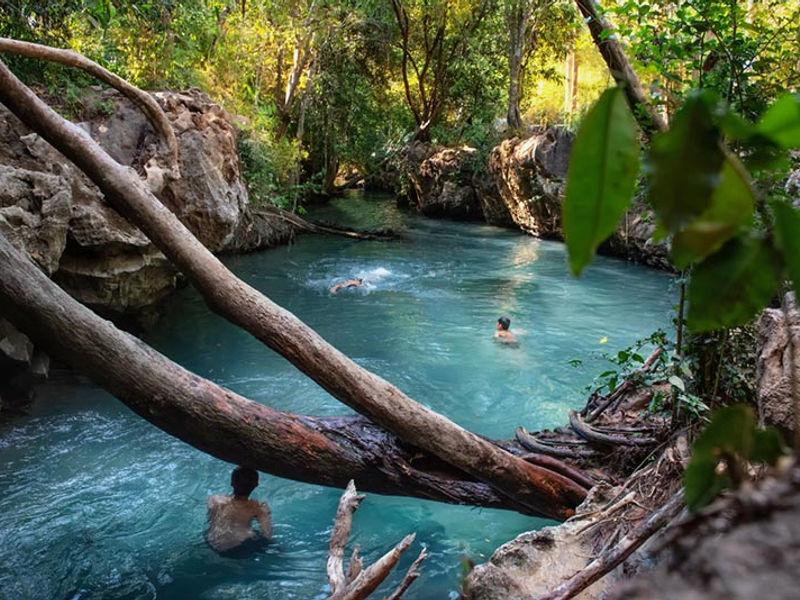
{"points": [[594, 436]]}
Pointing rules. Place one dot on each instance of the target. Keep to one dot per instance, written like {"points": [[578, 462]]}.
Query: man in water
{"points": [[503, 334], [230, 518], [350, 283]]}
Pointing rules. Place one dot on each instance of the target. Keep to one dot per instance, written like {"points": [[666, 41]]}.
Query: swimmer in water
{"points": [[350, 283], [502, 334], [230, 518]]}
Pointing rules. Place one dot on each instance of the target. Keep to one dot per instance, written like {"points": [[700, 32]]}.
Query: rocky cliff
{"points": [[521, 185], [50, 209]]}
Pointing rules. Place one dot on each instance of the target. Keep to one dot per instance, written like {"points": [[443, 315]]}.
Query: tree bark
{"points": [[620, 68], [516, 21], [325, 451], [539, 489]]}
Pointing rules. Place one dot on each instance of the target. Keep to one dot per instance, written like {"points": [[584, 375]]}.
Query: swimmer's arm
{"points": [[264, 518]]}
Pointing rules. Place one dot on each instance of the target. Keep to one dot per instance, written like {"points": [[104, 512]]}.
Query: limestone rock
{"points": [[35, 213], [441, 181], [525, 186], [773, 366]]}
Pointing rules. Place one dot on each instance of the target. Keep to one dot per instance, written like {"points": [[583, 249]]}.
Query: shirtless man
{"points": [[503, 334], [350, 283], [230, 518]]}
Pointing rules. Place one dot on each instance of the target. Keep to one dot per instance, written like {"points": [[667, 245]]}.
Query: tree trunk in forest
{"points": [[539, 489], [620, 67], [326, 451], [516, 21]]}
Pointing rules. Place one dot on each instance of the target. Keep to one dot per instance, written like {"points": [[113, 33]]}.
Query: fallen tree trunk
{"points": [[305, 225], [541, 491], [326, 451], [620, 67]]}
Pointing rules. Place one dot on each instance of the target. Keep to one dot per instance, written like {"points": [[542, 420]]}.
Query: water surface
{"points": [[97, 503]]}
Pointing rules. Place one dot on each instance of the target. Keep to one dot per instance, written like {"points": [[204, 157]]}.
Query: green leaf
{"points": [[677, 382], [601, 179], [767, 446], [731, 208], [730, 287], [730, 430], [787, 238], [781, 122], [685, 162], [701, 483]]}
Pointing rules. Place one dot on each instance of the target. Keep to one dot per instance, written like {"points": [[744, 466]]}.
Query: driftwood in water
{"points": [[326, 451], [325, 228], [540, 490], [360, 582], [594, 436]]}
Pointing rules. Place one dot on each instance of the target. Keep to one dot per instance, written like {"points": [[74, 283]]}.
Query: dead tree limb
{"points": [[140, 98], [590, 434], [557, 466], [610, 558], [410, 577], [541, 490], [359, 583], [620, 67], [311, 227], [325, 451]]}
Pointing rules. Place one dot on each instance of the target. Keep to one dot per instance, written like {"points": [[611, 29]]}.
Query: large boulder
{"points": [[106, 262], [774, 365], [440, 181], [525, 187]]}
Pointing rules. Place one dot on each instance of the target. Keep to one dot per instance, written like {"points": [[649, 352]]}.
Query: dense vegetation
{"points": [[329, 87]]}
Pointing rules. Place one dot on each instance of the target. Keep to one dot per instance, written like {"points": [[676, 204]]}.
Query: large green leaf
{"points": [[601, 179], [781, 122], [787, 236], [685, 163], [730, 287], [701, 483], [731, 208]]}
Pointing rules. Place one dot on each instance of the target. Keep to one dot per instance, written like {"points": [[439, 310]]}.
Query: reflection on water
{"points": [[96, 503]]}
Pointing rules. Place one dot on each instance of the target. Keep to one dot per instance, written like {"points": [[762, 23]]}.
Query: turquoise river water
{"points": [[96, 503]]}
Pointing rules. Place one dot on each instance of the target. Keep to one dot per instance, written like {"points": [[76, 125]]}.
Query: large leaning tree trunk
{"points": [[620, 67], [540, 490], [326, 451]]}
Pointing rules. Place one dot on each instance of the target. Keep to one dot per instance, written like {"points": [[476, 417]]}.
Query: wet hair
{"points": [[244, 480], [505, 323]]}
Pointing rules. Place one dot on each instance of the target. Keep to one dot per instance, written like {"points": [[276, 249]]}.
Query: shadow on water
{"points": [[96, 503]]}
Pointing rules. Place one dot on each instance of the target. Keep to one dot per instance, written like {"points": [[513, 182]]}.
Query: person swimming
{"points": [[349, 283], [502, 333], [230, 518]]}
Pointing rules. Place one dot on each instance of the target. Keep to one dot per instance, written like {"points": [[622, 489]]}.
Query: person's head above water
{"points": [[244, 480], [503, 323]]}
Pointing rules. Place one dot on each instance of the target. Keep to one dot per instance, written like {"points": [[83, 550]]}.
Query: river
{"points": [[96, 503]]}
